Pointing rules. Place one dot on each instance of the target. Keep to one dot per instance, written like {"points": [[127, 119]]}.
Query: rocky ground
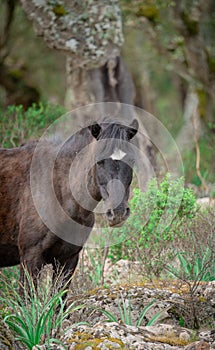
{"points": [[180, 314], [174, 307]]}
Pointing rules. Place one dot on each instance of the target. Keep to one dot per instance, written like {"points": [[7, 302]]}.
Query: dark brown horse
{"points": [[47, 218]]}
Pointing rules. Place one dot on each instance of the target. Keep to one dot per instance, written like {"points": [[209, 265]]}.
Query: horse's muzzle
{"points": [[116, 218]]}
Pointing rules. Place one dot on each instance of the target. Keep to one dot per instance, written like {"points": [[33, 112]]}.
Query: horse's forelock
{"points": [[115, 138], [113, 131]]}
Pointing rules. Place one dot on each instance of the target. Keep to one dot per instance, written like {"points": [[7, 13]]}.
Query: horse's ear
{"points": [[133, 128], [95, 130]]}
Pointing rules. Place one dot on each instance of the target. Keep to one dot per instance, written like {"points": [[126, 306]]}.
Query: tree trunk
{"points": [[110, 83], [198, 56], [17, 91], [90, 33]]}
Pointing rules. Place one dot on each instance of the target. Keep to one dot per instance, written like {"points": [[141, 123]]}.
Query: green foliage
{"points": [[34, 316], [153, 224], [96, 272], [18, 125], [11, 274], [125, 313], [201, 268]]}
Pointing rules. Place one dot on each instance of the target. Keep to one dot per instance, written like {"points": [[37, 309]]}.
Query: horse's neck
{"points": [[84, 184], [76, 180]]}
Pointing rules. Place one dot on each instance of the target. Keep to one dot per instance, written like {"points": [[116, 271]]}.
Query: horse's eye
{"points": [[100, 162]]}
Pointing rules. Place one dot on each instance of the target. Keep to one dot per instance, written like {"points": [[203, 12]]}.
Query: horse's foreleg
{"points": [[31, 264], [66, 270], [71, 265], [32, 234]]}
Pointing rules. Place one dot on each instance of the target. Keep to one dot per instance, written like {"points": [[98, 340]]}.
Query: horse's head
{"points": [[114, 168]]}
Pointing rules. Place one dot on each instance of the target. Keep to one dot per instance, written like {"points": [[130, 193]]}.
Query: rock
{"points": [[162, 329], [208, 336], [6, 338], [206, 202], [121, 271], [184, 335], [160, 336], [107, 344], [198, 345], [120, 336], [209, 292]]}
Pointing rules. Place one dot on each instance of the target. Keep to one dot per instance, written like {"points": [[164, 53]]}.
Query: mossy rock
{"points": [[150, 12], [86, 339], [59, 10], [174, 341]]}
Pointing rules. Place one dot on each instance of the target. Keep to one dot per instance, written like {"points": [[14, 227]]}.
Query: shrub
{"points": [[155, 219], [18, 125]]}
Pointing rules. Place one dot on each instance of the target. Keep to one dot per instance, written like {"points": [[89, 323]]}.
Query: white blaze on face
{"points": [[118, 154]]}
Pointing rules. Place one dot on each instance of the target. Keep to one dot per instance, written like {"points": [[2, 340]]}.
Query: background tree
{"points": [[90, 33], [18, 91], [181, 34]]}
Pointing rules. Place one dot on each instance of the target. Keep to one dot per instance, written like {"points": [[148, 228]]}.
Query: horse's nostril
{"points": [[127, 212], [110, 214]]}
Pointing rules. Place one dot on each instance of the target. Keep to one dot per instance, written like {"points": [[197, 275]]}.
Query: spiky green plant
{"points": [[125, 313], [37, 315], [200, 268]]}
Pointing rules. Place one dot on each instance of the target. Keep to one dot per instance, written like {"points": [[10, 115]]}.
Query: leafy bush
{"points": [[154, 223], [18, 125]]}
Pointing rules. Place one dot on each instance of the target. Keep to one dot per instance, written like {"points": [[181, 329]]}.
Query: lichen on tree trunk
{"points": [[89, 31]]}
